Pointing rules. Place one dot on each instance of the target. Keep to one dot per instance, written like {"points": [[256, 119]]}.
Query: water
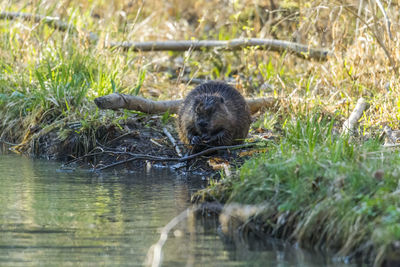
{"points": [[54, 218]]}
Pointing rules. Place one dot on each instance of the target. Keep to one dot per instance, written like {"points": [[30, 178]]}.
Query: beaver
{"points": [[213, 114]]}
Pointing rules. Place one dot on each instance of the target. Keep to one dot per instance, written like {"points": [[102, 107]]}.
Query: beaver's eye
{"points": [[197, 109]]}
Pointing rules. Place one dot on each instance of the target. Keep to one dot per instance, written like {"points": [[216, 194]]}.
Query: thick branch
{"points": [[350, 125], [300, 50], [117, 101]]}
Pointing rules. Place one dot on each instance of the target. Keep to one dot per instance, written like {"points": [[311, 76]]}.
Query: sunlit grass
{"points": [[339, 194], [48, 78]]}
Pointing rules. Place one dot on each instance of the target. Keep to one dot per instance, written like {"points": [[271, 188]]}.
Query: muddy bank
{"points": [[134, 141]]}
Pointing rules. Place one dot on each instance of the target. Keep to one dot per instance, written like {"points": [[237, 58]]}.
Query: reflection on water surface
{"points": [[53, 218]]}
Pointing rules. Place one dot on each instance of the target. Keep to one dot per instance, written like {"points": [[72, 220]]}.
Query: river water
{"points": [[50, 217]]}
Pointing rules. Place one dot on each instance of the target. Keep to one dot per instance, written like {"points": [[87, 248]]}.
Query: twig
{"points": [[378, 39], [191, 80], [155, 142], [173, 141], [154, 255], [350, 124], [84, 156], [182, 159], [391, 145], [7, 143], [360, 6], [385, 16], [299, 50], [120, 137]]}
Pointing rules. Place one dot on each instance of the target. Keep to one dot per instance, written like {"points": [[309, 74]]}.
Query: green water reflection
{"points": [[53, 218], [48, 216]]}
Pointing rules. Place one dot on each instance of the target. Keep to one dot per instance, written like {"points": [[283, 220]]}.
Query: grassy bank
{"points": [[324, 189]]}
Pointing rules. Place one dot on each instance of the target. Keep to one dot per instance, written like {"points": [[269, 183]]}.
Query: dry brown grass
{"points": [[358, 67], [37, 60]]}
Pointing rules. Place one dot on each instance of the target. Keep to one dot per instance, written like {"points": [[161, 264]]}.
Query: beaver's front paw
{"points": [[205, 138], [196, 140]]}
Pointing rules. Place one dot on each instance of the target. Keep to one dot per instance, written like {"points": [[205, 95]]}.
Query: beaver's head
{"points": [[210, 112]]}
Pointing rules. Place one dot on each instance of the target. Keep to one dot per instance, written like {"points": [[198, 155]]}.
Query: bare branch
{"points": [[360, 7], [379, 40], [181, 159], [173, 141], [116, 101], [385, 16], [7, 143], [350, 125], [299, 50]]}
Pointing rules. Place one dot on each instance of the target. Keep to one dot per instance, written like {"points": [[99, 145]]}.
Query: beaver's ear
{"points": [[197, 103]]}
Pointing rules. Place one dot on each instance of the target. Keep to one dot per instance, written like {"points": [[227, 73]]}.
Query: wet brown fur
{"points": [[213, 114]]}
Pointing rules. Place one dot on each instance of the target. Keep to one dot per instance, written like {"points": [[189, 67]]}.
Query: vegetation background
{"points": [[332, 191]]}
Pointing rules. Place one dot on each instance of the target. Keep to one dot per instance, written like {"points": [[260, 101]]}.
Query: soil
{"points": [[107, 145]]}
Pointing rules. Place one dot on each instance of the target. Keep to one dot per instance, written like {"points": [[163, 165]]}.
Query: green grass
{"points": [[53, 85], [340, 193], [343, 194]]}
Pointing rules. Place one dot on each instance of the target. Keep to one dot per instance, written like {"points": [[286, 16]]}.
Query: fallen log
{"points": [[116, 101], [300, 50]]}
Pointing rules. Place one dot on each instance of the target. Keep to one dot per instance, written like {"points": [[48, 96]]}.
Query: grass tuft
{"points": [[344, 195]]}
